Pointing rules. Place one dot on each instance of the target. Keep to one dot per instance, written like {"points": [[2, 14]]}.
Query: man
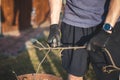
{"points": [[82, 20]]}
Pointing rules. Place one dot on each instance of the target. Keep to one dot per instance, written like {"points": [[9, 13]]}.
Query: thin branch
{"points": [[57, 48], [40, 43], [51, 48], [60, 52], [42, 61]]}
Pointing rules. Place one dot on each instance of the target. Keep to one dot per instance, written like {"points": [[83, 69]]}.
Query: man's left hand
{"points": [[100, 39]]}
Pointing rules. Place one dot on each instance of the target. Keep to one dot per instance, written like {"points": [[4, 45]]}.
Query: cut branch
{"points": [[40, 46], [57, 48]]}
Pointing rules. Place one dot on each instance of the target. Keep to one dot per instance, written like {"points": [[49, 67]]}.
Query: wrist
{"points": [[54, 27]]}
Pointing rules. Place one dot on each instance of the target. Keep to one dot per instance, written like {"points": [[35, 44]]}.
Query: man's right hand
{"points": [[54, 36]]}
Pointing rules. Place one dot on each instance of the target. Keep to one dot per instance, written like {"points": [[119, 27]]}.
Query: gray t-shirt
{"points": [[85, 13]]}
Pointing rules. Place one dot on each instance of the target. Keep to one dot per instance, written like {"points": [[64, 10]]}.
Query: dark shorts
{"points": [[75, 62]]}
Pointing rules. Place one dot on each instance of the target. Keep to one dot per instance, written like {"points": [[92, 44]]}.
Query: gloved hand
{"points": [[101, 39], [111, 42], [54, 36]]}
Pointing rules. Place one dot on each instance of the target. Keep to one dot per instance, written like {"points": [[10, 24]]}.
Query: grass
{"points": [[27, 62]]}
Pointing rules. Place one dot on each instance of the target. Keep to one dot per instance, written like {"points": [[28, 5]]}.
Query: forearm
{"points": [[55, 9], [113, 12]]}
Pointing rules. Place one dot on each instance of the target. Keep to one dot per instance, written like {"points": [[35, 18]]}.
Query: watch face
{"points": [[107, 27]]}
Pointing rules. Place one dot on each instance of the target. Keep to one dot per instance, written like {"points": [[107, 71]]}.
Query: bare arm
{"points": [[113, 13], [55, 9]]}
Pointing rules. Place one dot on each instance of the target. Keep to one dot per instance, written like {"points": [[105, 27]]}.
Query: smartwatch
{"points": [[107, 27]]}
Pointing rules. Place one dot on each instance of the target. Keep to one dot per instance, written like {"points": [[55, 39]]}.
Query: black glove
{"points": [[54, 36], [100, 39]]}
